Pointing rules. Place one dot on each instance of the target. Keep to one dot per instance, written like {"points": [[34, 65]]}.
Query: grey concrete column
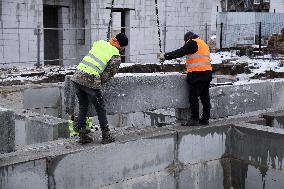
{"points": [[7, 131]]}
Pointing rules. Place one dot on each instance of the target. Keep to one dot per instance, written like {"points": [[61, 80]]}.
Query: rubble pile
{"points": [[276, 43]]}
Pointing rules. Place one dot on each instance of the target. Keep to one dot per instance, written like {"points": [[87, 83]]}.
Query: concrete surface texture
{"points": [[31, 128], [43, 98], [142, 93], [7, 131], [167, 157]]}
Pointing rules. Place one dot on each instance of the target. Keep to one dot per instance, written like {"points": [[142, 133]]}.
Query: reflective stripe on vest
{"points": [[95, 62], [199, 61], [198, 56], [198, 64]]}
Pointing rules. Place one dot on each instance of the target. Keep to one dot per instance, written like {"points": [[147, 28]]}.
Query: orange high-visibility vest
{"points": [[199, 61]]}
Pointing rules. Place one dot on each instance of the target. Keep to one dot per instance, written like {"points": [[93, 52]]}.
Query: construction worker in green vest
{"points": [[96, 68]]}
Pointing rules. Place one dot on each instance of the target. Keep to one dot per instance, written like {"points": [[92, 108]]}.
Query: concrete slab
{"points": [[201, 175], [7, 131], [239, 99], [111, 163], [35, 128], [29, 175], [41, 97], [203, 144], [278, 94], [138, 93], [259, 146]]}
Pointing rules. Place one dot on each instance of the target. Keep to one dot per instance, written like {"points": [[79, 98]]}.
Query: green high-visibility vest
{"points": [[95, 62]]}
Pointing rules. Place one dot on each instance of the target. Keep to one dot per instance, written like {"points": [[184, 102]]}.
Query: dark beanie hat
{"points": [[122, 39], [190, 35]]}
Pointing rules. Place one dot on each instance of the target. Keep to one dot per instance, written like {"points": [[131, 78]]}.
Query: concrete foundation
{"points": [[7, 131], [171, 91], [168, 157]]}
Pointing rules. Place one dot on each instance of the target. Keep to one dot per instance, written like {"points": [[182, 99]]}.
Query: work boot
{"points": [[106, 136], [84, 137], [203, 121], [191, 122]]}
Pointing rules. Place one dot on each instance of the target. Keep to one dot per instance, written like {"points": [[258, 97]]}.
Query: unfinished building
{"points": [[66, 29], [240, 148]]}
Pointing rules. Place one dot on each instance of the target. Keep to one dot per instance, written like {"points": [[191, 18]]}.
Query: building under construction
{"points": [[240, 148], [60, 32]]}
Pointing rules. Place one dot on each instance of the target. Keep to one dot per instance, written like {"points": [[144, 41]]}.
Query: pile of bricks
{"points": [[276, 43]]}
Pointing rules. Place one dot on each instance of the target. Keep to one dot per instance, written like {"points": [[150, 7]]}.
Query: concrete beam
{"points": [[138, 93], [36, 128], [7, 131]]}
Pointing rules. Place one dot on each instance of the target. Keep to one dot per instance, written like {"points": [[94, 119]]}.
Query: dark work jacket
{"points": [[190, 47]]}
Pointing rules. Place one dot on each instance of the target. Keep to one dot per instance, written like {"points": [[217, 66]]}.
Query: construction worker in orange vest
{"points": [[199, 75]]}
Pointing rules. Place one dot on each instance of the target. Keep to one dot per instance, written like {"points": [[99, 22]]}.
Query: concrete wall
{"points": [[138, 94], [155, 153], [18, 41], [178, 15], [242, 28], [155, 158], [7, 131], [41, 98], [277, 6], [19, 18]]}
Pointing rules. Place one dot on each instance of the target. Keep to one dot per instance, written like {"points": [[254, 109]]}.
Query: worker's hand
{"points": [[161, 56]]}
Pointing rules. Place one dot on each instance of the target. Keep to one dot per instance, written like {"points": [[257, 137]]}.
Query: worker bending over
{"points": [[96, 68]]}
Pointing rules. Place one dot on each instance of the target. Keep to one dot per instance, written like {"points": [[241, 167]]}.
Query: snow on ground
{"points": [[257, 65]]}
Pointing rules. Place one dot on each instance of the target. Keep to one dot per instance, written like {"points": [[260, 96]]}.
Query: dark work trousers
{"points": [[85, 95], [199, 88]]}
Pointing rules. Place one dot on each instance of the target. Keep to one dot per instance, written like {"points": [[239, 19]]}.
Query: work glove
{"points": [[161, 56]]}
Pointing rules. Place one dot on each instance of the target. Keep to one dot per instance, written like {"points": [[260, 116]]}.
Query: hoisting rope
{"points": [[159, 31], [110, 20]]}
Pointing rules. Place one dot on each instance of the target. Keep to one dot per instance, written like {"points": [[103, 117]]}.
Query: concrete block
{"points": [[132, 94], [109, 164], [41, 97], [11, 97], [201, 145], [29, 175], [239, 99], [277, 95], [268, 152], [7, 131], [35, 128], [202, 175], [139, 93]]}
